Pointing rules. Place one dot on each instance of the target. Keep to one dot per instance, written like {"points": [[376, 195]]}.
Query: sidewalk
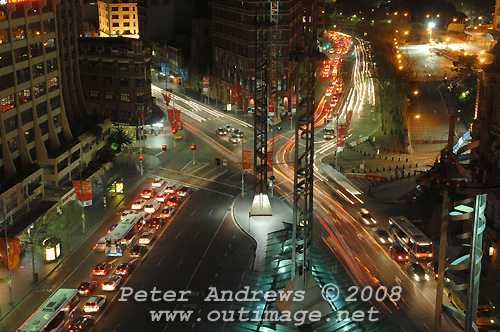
{"points": [[22, 276]]}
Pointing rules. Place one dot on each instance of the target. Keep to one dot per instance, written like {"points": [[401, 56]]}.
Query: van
{"points": [[151, 206]]}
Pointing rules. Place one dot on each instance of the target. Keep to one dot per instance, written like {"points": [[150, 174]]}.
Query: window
{"points": [[50, 45], [13, 143], [48, 26], [53, 84], [41, 109], [10, 124], [26, 117], [123, 66], [114, 9], [44, 128], [139, 82], [36, 50], [94, 94], [39, 90], [51, 65], [57, 120], [110, 95], [21, 54], [4, 36], [55, 103], [34, 29], [37, 70], [139, 98], [124, 96], [18, 32], [5, 58], [126, 24], [94, 79], [29, 135], [108, 80], [116, 25], [93, 64], [23, 75], [8, 103], [115, 17], [125, 9], [123, 81], [24, 96]]}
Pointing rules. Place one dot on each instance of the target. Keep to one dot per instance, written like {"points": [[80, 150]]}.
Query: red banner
{"points": [[341, 131], [206, 83], [236, 92], [87, 191], [269, 161], [247, 160], [177, 119], [170, 113], [272, 101], [348, 118], [14, 252], [294, 104]]}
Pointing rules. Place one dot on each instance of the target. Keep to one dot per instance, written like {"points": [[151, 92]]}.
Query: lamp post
{"points": [[431, 26]]}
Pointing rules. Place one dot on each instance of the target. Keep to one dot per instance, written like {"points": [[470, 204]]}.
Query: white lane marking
{"points": [[178, 235], [179, 264]]}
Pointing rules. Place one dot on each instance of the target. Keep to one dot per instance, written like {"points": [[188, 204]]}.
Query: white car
{"points": [[170, 188], [101, 244], [95, 303], [146, 238], [127, 212], [233, 138], [138, 204], [167, 212], [158, 182], [111, 283], [151, 206], [161, 197]]}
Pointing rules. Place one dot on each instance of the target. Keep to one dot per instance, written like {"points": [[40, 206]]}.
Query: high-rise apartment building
{"points": [[118, 18], [41, 99]]}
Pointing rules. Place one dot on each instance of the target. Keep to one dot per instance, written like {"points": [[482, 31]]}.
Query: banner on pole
{"points": [[294, 104], [177, 119], [272, 101], [247, 160], [87, 191], [236, 92], [341, 131], [14, 252], [170, 113], [206, 83], [269, 162]]}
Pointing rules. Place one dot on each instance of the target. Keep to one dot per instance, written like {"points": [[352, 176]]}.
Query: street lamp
{"points": [[431, 26]]}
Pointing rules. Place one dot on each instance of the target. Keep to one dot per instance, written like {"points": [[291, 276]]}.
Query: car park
{"points": [[102, 268], [170, 188], [233, 138], [366, 218], [151, 206], [124, 269], [146, 238], [220, 131], [138, 251], [416, 271], [238, 133], [173, 201], [101, 244], [382, 236], [156, 222], [81, 324], [111, 283], [95, 303], [87, 287], [148, 193], [167, 212], [158, 182], [399, 253], [138, 204]]}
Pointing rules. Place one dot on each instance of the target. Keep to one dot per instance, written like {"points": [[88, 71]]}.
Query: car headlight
{"points": [[416, 277], [382, 240], [427, 277], [390, 240]]}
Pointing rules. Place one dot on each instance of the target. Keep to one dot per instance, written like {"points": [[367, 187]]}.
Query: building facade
{"points": [[41, 98], [116, 76], [118, 18]]}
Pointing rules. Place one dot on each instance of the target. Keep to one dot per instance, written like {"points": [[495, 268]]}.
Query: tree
{"points": [[36, 234], [465, 91], [65, 221], [119, 137]]}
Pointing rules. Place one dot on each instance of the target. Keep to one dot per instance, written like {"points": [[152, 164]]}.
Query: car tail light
{"points": [[80, 327]]}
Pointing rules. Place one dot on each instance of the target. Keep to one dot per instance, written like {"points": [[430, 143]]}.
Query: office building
{"points": [[118, 18]]}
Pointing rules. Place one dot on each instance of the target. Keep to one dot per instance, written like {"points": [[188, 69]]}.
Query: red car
{"points": [[102, 269], [399, 253]]}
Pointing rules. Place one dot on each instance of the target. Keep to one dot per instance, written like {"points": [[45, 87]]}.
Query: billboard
{"points": [[87, 191]]}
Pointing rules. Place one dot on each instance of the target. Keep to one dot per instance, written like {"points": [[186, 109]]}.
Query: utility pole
{"points": [[9, 280], [81, 189]]}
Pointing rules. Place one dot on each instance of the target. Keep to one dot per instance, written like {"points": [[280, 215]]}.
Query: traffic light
{"points": [[164, 147], [174, 131], [217, 161], [140, 158], [193, 146]]}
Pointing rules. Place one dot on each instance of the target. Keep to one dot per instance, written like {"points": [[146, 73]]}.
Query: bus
{"points": [[124, 235], [329, 131], [54, 313], [410, 237], [485, 310]]}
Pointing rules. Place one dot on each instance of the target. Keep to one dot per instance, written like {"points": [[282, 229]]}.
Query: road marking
{"points": [[427, 327], [178, 235], [159, 262], [179, 264], [159, 153], [193, 212], [196, 234], [210, 211]]}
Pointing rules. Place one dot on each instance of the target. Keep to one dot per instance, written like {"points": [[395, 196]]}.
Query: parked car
{"points": [[102, 268], [146, 238], [86, 288], [124, 269], [399, 253], [95, 303], [111, 283], [416, 271], [382, 236], [81, 324], [167, 212], [156, 222], [138, 251]]}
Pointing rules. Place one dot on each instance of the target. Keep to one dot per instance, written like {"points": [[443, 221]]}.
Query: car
{"points": [[146, 238], [167, 212], [220, 131], [112, 227], [125, 213], [382, 236], [399, 253], [170, 188], [101, 244], [161, 197], [111, 283], [95, 303], [432, 269], [138, 204], [158, 182], [238, 133], [102, 268], [151, 206], [233, 138], [86, 288], [184, 192], [81, 324], [366, 218], [156, 222], [173, 201], [228, 128], [124, 269], [148, 193], [138, 251], [416, 271]]}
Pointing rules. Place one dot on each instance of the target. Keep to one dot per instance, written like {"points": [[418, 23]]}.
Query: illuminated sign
{"points": [[4, 2]]}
